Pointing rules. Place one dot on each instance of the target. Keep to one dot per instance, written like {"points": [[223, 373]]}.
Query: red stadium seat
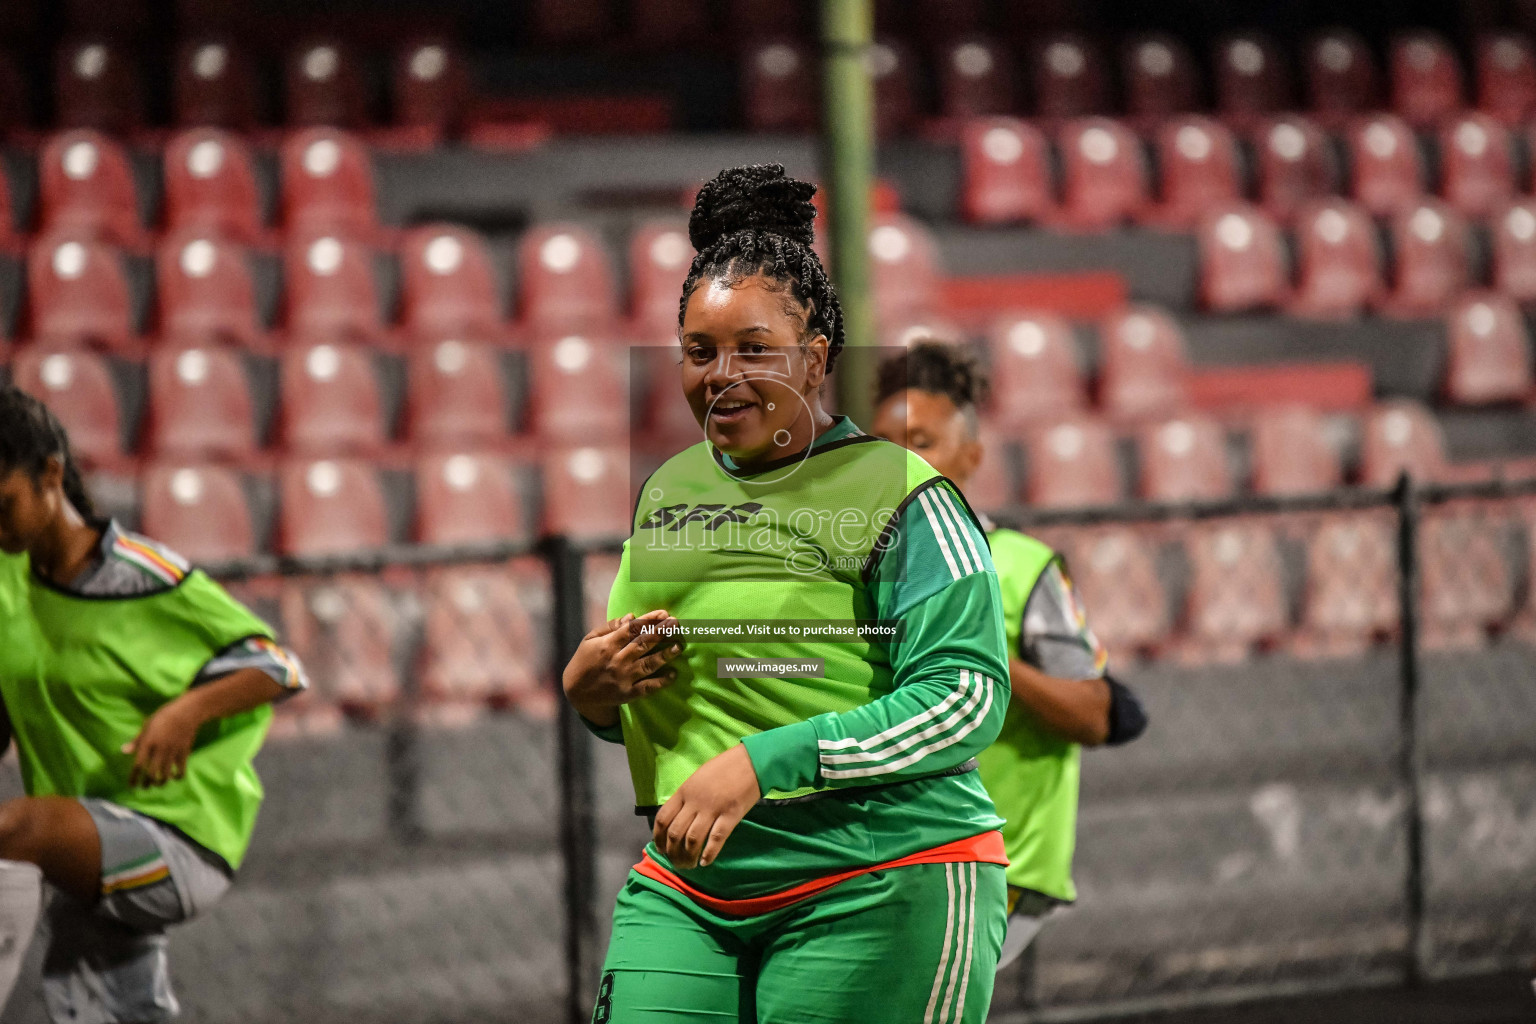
{"points": [[323, 84], [1115, 572], [1349, 598], [1490, 351], [659, 258], [329, 291], [1339, 263], [95, 85], [78, 388], [457, 394], [429, 87], [86, 186], [1184, 459], [1466, 585], [199, 510], [330, 401], [992, 486], [199, 404], [464, 498], [1072, 463], [480, 644], [1387, 170], [1426, 78], [890, 72], [1506, 77], [77, 293], [1401, 436], [1236, 593], [565, 281], [345, 629], [1476, 165], [329, 507], [1105, 176], [1430, 264], [1290, 452], [1295, 164], [1141, 364], [975, 78], [327, 184], [214, 84], [447, 286], [1341, 76], [1242, 260], [210, 185], [205, 292], [565, 22], [779, 86], [1160, 77], [908, 331], [1251, 78], [1071, 77], [669, 425], [905, 265], [579, 390], [1035, 371], [1199, 163], [587, 491], [1513, 233], [1006, 168]]}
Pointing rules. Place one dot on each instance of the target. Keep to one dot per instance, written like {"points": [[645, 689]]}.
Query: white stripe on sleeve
{"points": [[938, 532], [921, 752]]}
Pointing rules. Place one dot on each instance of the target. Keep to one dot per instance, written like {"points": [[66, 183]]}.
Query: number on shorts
{"points": [[604, 1011]]}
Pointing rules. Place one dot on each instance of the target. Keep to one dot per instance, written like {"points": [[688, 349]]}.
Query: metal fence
{"points": [[1338, 786]]}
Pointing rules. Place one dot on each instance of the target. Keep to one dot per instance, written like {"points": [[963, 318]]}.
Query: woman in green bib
{"points": [[137, 692], [823, 849], [1064, 698]]}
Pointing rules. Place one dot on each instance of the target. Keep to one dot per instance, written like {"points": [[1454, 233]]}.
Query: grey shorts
{"points": [[106, 963]]}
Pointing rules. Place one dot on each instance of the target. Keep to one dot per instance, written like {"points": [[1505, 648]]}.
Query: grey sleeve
{"points": [[262, 654], [1055, 637]]}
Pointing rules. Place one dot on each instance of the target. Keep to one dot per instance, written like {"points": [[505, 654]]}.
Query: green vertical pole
{"points": [[848, 161]]}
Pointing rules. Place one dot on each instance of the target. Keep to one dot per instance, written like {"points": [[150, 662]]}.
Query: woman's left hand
{"points": [[161, 749], [693, 825]]}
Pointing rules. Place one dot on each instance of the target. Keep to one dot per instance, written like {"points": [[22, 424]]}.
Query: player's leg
{"points": [[672, 962], [916, 944], [45, 837], [1027, 912]]}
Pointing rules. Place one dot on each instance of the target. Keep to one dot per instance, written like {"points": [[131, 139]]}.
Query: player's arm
{"points": [[616, 663]]}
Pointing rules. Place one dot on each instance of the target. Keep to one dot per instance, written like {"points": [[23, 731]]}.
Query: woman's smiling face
{"points": [[746, 372]]}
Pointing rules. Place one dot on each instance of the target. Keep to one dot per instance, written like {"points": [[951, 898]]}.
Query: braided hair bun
{"points": [[759, 197]]}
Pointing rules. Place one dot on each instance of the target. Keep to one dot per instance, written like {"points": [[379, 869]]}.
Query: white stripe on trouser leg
{"points": [[970, 952], [949, 929], [21, 898], [952, 983]]}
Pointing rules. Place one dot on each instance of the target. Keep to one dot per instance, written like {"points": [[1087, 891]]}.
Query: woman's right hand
{"points": [[618, 662]]}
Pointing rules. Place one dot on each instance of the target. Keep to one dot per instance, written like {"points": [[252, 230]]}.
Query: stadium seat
{"points": [[1289, 452], [429, 87], [1235, 597], [891, 73], [1506, 77], [457, 394], [908, 331], [95, 85], [1341, 77], [200, 511], [904, 264], [579, 390], [1199, 164], [975, 78], [1401, 436], [1513, 241], [1295, 164], [78, 388], [1141, 364], [1104, 174], [447, 286], [327, 179], [1426, 78], [323, 84], [1339, 265], [587, 491], [1071, 77], [1476, 164], [660, 256], [779, 86], [210, 186], [1242, 260], [345, 630], [76, 293], [10, 239], [1387, 172], [1114, 570], [204, 292], [199, 405], [85, 186], [1184, 459], [992, 486], [214, 84], [1005, 164], [466, 498], [1489, 353], [1466, 587], [479, 643], [329, 291], [330, 401], [329, 507], [1251, 78], [1160, 78], [564, 279], [669, 423], [1430, 262], [1034, 370], [1072, 463], [1349, 598]]}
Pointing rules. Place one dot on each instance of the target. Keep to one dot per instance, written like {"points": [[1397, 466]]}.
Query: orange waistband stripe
{"points": [[986, 848]]}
